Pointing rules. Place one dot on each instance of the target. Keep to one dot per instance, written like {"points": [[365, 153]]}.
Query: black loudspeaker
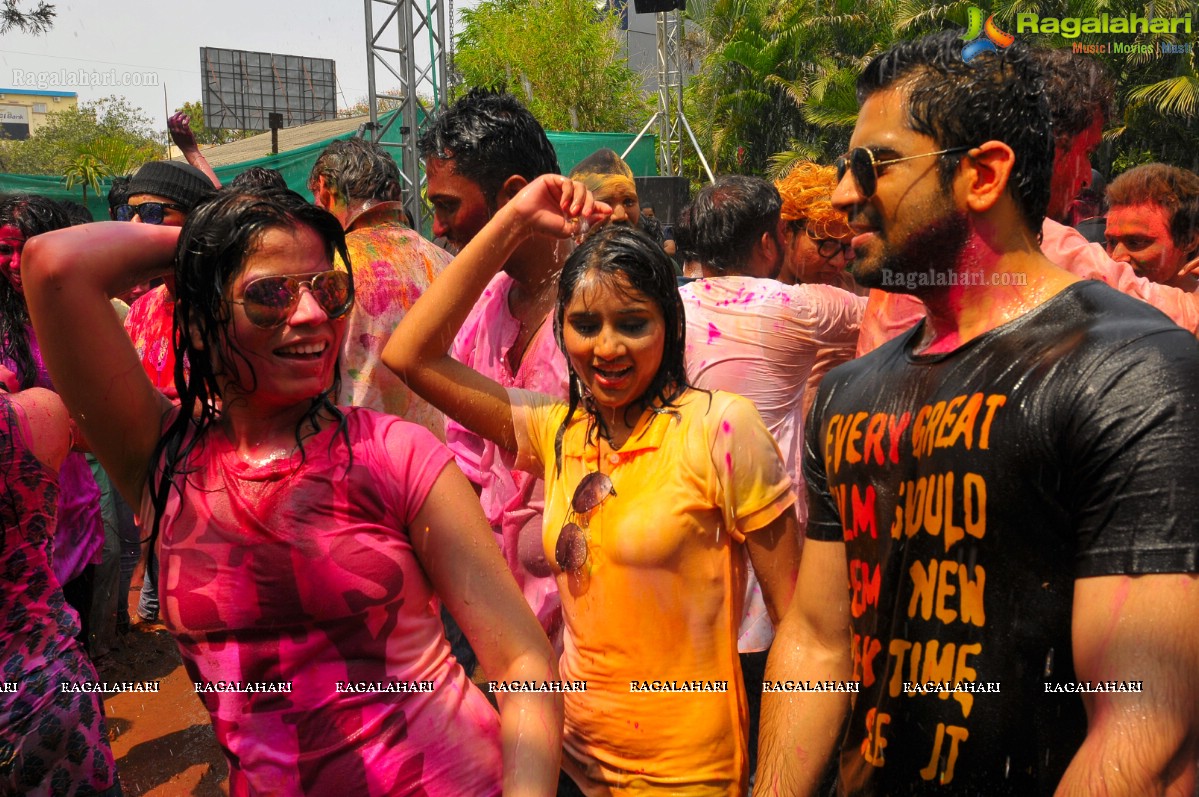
{"points": [[655, 6], [666, 195]]}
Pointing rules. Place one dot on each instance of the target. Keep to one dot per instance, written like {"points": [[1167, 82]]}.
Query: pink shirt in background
{"points": [[771, 343], [303, 571], [890, 314], [512, 500]]}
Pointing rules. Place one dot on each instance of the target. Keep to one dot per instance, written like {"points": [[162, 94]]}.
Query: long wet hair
{"points": [[214, 245], [614, 250], [32, 215]]}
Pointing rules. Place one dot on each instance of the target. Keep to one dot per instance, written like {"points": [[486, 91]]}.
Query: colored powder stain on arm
{"points": [[728, 461], [726, 427]]}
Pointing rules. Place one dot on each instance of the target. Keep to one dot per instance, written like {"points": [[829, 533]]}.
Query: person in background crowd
{"points": [[480, 152], [79, 537], [160, 193], [660, 232], [816, 247], [359, 183], [1153, 223], [764, 340], [52, 740], [610, 180]]}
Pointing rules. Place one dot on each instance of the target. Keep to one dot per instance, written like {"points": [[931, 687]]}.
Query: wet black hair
{"points": [[356, 169], [218, 237], [614, 250], [118, 194], [1077, 88], [490, 137], [727, 219], [32, 215], [258, 178], [76, 213], [996, 96]]}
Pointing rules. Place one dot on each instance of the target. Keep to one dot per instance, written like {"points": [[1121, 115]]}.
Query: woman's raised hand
{"points": [[557, 206]]}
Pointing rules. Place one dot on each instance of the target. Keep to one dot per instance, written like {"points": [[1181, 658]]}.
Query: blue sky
{"points": [[160, 41]]}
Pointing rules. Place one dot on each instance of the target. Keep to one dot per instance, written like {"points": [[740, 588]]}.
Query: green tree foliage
{"points": [[117, 134], [36, 20], [205, 134], [776, 81], [562, 58], [85, 171]]}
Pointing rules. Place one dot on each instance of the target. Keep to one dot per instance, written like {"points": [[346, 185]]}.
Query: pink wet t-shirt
{"points": [[302, 572]]}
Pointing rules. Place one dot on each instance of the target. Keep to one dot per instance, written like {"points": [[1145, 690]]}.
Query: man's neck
{"points": [[994, 285], [533, 267]]}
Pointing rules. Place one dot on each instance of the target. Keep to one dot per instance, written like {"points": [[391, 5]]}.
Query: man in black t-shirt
{"points": [[1007, 489]]}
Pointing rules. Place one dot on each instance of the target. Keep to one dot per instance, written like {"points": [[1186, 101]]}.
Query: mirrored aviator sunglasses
{"points": [[269, 301], [148, 212], [572, 550]]}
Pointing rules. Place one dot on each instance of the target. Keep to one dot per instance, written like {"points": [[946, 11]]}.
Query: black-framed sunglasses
{"points": [[269, 301], [864, 167], [828, 248], [572, 550], [148, 212]]}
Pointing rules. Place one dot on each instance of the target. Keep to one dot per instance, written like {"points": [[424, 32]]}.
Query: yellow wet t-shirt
{"points": [[652, 618]]}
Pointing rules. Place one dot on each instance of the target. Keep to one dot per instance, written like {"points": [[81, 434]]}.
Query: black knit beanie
{"points": [[181, 183]]}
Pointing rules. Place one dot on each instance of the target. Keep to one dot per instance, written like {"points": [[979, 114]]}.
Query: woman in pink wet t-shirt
{"points": [[301, 544]]}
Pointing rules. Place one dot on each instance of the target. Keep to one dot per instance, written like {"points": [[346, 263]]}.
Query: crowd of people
{"points": [[875, 480]]}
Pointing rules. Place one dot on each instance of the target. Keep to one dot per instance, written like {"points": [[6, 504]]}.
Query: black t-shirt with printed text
{"points": [[971, 490]]}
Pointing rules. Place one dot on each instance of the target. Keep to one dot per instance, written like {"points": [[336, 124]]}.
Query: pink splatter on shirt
{"points": [[513, 500], [771, 343], [303, 571]]}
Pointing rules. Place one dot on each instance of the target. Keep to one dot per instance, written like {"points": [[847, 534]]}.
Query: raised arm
{"points": [[801, 730], [457, 550], [417, 352], [1137, 628], [180, 127], [69, 276]]}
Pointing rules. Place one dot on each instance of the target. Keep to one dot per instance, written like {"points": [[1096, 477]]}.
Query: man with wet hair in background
{"points": [[1004, 533], [479, 153]]}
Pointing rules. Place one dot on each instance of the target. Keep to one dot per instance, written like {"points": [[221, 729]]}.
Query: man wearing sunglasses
{"points": [[1080, 95], [359, 183], [161, 192], [1007, 489]]}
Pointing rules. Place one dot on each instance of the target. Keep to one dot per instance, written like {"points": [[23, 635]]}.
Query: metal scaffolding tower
{"points": [[672, 122], [392, 44]]}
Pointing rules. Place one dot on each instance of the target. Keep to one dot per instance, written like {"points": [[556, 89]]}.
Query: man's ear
{"points": [[511, 187], [322, 195], [986, 169]]}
